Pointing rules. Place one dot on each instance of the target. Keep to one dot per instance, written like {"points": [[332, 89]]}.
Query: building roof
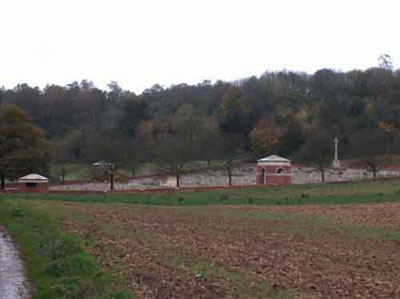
{"points": [[33, 177], [273, 158], [101, 163]]}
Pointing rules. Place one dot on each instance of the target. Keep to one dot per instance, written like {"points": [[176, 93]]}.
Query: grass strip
{"points": [[215, 198], [56, 261]]}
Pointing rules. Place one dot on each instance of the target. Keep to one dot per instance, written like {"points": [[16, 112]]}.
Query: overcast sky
{"points": [[140, 43]]}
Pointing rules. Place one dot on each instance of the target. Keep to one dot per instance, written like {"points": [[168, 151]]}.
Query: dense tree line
{"points": [[288, 113]]}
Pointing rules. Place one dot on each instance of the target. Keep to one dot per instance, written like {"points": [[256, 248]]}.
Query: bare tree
{"points": [[173, 154], [230, 146], [373, 163], [318, 150], [368, 147]]}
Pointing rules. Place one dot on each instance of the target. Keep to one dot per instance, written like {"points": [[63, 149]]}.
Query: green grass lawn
{"points": [[385, 190]]}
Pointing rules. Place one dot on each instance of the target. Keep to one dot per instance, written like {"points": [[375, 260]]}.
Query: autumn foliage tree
{"points": [[265, 137], [391, 131], [23, 148]]}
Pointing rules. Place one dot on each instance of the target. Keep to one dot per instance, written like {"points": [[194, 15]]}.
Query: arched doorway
{"points": [[264, 175]]}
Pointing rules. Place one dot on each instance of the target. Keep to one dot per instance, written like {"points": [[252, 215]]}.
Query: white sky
{"points": [[140, 43]]}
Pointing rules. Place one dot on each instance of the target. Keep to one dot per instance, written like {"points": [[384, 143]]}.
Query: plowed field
{"points": [[350, 251]]}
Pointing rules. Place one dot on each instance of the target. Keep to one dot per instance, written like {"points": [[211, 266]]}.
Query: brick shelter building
{"points": [[274, 171], [33, 183]]}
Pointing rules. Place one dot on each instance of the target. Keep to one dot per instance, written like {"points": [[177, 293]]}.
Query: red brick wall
{"points": [[273, 178], [259, 179], [279, 180], [41, 188]]}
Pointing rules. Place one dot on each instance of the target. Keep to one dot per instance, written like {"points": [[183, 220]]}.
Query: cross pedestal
{"points": [[336, 162]]}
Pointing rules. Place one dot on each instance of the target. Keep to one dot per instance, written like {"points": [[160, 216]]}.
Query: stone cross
{"points": [[336, 163]]}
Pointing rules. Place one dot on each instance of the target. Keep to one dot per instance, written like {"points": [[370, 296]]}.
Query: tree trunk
{"points": [[3, 181], [178, 178], [63, 175], [230, 177], [111, 181], [374, 171], [322, 175], [385, 145]]}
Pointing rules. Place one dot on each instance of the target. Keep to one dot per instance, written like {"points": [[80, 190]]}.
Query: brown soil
{"points": [[246, 252]]}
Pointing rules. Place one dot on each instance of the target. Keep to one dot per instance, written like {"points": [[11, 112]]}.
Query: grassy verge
{"points": [[344, 193], [215, 198], [56, 261]]}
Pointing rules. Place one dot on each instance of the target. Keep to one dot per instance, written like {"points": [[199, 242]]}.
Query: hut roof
{"points": [[33, 177], [273, 158]]}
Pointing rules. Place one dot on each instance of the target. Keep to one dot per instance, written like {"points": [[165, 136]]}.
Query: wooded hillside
{"points": [[287, 113]]}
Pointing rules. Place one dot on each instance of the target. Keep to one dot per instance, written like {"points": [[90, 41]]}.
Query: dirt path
{"points": [[13, 284]]}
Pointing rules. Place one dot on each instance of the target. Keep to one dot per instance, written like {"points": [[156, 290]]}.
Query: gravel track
{"points": [[13, 283]]}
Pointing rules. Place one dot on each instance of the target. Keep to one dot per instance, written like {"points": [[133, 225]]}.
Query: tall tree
{"points": [[173, 153], [177, 144], [231, 145], [385, 61], [390, 130], [133, 110], [265, 137], [370, 148], [233, 117], [23, 148], [318, 150]]}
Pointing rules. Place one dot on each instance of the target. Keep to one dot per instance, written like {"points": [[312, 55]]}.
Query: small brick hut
{"points": [[33, 183], [274, 171]]}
